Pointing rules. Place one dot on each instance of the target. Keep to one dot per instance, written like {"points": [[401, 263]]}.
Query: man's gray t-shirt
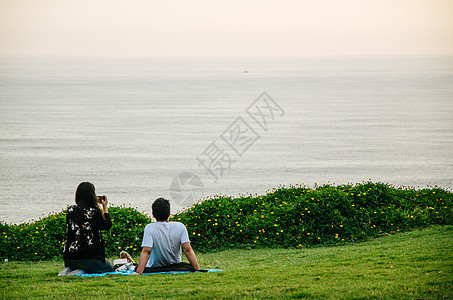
{"points": [[165, 238]]}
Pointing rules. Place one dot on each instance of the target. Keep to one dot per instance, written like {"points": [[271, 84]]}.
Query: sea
{"points": [[187, 128]]}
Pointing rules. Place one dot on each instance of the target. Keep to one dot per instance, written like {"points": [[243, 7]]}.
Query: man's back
{"points": [[165, 239]]}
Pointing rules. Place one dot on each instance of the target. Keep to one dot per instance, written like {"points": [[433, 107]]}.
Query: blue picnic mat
{"points": [[83, 274]]}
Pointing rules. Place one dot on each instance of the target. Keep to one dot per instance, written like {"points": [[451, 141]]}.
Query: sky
{"points": [[225, 27]]}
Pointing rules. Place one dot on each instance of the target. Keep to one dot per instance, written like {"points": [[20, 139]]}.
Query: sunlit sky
{"points": [[225, 28]]}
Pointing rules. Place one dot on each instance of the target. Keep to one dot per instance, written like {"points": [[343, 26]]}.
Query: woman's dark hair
{"points": [[161, 209], [85, 196]]}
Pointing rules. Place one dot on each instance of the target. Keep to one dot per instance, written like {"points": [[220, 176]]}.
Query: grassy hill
{"points": [[362, 241]]}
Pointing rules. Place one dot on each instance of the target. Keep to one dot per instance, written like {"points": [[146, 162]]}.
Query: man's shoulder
{"points": [[151, 224], [176, 224], [169, 224]]}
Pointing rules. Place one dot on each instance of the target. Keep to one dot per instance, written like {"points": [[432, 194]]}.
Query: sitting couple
{"points": [[84, 247]]}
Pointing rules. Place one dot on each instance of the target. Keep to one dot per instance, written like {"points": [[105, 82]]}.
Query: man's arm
{"points": [[144, 257], [188, 251]]}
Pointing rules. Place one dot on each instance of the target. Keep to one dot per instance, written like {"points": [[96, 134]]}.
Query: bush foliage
{"points": [[44, 238], [300, 216], [296, 216]]}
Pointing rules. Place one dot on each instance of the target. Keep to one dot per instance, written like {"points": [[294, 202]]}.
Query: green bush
{"points": [[301, 216], [296, 216], [44, 239], [126, 232]]}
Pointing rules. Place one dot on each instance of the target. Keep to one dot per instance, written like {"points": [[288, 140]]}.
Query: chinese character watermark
{"points": [[264, 110], [186, 188], [240, 136], [217, 159]]}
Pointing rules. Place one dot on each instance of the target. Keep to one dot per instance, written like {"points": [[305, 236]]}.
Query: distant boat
{"points": [[245, 71]]}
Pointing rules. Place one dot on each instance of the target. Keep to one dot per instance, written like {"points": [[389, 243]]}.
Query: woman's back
{"points": [[83, 233]]}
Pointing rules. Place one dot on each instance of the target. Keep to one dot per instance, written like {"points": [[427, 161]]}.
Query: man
{"points": [[162, 242]]}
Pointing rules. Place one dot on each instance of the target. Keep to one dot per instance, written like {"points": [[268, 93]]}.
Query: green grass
{"points": [[410, 265]]}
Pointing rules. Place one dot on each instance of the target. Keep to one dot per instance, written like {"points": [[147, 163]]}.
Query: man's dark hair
{"points": [[161, 209]]}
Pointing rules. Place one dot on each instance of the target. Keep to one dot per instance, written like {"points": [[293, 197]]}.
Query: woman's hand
{"points": [[103, 201]]}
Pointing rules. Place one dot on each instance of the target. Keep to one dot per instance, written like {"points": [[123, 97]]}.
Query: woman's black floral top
{"points": [[83, 233]]}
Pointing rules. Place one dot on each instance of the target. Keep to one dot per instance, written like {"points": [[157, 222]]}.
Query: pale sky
{"points": [[225, 27]]}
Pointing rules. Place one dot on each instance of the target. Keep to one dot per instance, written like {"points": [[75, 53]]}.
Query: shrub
{"points": [[297, 216], [126, 232]]}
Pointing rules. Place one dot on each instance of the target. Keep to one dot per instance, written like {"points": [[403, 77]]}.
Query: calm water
{"points": [[130, 126]]}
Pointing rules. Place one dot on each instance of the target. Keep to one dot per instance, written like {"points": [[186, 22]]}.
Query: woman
{"points": [[84, 247]]}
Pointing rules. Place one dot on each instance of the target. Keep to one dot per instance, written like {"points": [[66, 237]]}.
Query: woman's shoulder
{"points": [[88, 212], [71, 208], [92, 212]]}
